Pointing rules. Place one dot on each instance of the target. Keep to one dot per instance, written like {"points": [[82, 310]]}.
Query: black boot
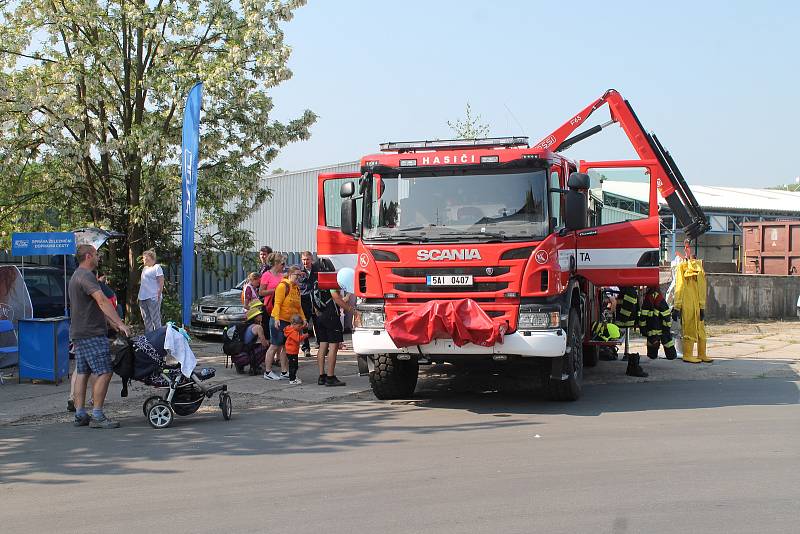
{"points": [[634, 369], [652, 348]]}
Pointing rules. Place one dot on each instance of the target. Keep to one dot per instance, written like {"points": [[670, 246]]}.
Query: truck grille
{"points": [[422, 272], [414, 300], [474, 288]]}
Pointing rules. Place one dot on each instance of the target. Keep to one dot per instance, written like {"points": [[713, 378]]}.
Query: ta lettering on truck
{"points": [[513, 228]]}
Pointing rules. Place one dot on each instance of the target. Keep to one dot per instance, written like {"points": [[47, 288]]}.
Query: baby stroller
{"points": [[143, 358]]}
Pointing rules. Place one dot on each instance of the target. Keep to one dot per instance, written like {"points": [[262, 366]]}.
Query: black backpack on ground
{"points": [[234, 339]]}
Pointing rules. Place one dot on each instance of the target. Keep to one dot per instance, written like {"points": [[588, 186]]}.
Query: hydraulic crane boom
{"points": [[669, 179]]}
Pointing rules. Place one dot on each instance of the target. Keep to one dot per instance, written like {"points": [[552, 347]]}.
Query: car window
{"points": [[56, 286], [43, 284], [38, 284]]}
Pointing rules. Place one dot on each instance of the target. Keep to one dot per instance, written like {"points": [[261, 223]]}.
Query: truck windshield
{"points": [[491, 206]]}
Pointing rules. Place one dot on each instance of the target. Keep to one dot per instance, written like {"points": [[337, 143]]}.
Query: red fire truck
{"points": [[507, 225]]}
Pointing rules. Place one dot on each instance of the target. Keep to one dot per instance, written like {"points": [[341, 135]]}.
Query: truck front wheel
{"points": [[393, 378], [569, 389]]}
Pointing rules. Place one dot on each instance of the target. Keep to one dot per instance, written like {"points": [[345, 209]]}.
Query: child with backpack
{"points": [[295, 335]]}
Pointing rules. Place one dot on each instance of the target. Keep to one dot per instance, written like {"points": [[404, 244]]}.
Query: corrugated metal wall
{"points": [[615, 215], [288, 220]]}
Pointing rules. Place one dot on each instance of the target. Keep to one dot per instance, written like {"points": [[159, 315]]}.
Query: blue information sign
{"points": [[42, 243]]}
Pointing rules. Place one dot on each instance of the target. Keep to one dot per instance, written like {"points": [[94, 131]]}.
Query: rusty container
{"points": [[771, 247]]}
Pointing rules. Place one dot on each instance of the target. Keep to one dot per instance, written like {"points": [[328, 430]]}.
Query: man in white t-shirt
{"points": [[151, 288]]}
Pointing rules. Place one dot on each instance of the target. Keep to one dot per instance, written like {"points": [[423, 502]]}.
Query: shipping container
{"points": [[771, 247]]}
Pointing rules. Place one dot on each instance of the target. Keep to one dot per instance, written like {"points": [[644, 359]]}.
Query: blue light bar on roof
{"points": [[489, 142]]}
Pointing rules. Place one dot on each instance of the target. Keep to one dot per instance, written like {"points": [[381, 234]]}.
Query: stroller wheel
{"points": [[226, 406], [148, 403], [160, 414]]}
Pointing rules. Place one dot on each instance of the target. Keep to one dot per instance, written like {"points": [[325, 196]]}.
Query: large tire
{"points": [[569, 389], [393, 378]]}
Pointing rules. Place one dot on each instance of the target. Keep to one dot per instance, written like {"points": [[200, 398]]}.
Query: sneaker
{"points": [[295, 382], [321, 380], [272, 375], [307, 353], [70, 406], [81, 420], [105, 422], [285, 375], [333, 381]]}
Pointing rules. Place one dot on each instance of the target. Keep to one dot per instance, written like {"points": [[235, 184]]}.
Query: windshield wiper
{"points": [[399, 237], [489, 235]]}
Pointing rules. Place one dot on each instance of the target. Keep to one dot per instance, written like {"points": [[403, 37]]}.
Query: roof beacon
{"points": [[489, 142]]}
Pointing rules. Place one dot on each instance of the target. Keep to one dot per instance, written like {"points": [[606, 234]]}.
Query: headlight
{"points": [[370, 319], [538, 320], [235, 310], [195, 308]]}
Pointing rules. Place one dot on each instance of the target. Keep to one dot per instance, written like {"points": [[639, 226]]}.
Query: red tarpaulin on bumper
{"points": [[463, 321]]}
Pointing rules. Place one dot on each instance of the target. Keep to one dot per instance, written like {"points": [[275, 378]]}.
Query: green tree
{"points": [[470, 127], [91, 103]]}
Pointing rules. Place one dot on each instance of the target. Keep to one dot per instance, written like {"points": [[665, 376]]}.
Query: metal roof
{"points": [[712, 197]]}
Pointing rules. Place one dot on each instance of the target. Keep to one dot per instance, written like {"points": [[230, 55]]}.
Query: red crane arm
{"points": [[669, 180]]}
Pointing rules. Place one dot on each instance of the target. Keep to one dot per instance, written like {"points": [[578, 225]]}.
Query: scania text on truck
{"points": [[513, 227]]}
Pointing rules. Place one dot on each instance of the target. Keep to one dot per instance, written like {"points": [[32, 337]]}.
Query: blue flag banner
{"points": [[42, 243], [189, 154]]}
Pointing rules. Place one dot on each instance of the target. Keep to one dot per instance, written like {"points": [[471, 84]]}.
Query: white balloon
{"points": [[346, 277]]}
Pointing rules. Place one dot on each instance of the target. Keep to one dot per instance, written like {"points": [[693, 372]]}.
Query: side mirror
{"points": [[348, 214], [576, 210], [578, 180], [347, 190]]}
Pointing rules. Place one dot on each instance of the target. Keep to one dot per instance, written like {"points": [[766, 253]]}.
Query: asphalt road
{"points": [[686, 456]]}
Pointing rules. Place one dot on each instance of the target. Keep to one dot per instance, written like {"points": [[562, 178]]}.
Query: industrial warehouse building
{"points": [[288, 220]]}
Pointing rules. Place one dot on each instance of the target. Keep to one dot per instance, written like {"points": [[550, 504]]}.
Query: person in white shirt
{"points": [[151, 288]]}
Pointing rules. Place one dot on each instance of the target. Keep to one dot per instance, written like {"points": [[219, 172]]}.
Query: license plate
{"points": [[449, 280], [207, 319]]}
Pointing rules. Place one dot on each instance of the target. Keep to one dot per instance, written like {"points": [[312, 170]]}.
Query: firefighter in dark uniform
{"points": [[627, 307], [628, 317], [655, 323]]}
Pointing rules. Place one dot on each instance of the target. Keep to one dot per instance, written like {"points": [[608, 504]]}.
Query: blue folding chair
{"points": [[8, 326]]}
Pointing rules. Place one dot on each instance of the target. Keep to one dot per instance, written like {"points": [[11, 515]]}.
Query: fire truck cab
{"points": [[511, 226]]}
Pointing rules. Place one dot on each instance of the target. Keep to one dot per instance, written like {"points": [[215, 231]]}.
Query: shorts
{"points": [[276, 336], [328, 330], [93, 356]]}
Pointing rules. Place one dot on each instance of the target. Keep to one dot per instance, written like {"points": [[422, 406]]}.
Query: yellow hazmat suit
{"points": [[690, 299]]}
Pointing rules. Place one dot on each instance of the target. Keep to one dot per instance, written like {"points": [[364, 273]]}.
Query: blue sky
{"points": [[718, 82]]}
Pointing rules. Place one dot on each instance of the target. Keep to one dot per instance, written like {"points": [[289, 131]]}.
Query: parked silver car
{"points": [[212, 314]]}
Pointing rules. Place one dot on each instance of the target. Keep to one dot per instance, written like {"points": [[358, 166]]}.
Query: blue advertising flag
{"points": [[189, 153]]}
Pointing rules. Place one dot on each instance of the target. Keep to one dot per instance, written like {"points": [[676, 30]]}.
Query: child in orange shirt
{"points": [[294, 338]]}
